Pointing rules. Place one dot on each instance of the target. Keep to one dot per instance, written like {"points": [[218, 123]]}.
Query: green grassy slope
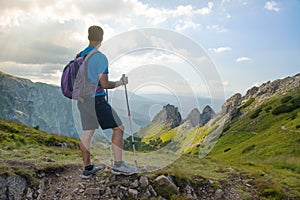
{"points": [[23, 144], [25, 150], [262, 140], [265, 140]]}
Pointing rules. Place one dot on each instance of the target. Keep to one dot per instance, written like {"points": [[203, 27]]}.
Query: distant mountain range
{"points": [[43, 106]]}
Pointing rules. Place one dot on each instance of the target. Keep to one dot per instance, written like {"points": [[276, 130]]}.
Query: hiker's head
{"points": [[95, 34]]}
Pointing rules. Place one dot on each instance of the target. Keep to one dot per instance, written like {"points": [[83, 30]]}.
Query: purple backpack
{"points": [[74, 81]]}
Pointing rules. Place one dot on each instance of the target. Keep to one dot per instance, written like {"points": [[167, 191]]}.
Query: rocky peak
{"points": [[169, 114], [265, 91], [230, 106], [207, 114], [269, 88], [196, 118]]}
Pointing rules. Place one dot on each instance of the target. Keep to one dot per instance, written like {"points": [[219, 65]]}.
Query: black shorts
{"points": [[95, 111]]}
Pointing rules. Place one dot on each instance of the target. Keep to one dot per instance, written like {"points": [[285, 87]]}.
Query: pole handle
{"points": [[123, 77]]}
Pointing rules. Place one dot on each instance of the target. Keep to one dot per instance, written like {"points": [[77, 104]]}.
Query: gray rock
{"points": [[41, 189], [93, 191], [108, 191], [152, 191], [81, 190], [135, 184], [133, 192], [12, 187], [29, 194], [164, 181], [123, 188], [75, 190], [144, 182], [219, 194], [81, 185], [2, 187], [147, 194]]}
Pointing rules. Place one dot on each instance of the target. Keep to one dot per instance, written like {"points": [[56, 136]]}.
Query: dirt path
{"points": [[65, 183]]}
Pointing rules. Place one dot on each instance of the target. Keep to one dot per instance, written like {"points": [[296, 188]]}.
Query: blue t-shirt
{"points": [[97, 64]]}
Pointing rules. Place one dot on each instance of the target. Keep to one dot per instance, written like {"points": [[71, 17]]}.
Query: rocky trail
{"points": [[65, 183], [68, 185]]}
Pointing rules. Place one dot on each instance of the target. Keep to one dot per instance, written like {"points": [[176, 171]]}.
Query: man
{"points": [[95, 110]]}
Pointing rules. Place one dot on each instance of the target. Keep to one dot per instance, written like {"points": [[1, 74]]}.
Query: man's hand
{"points": [[124, 80]]}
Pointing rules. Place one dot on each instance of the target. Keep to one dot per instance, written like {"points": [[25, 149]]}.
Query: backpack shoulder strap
{"points": [[78, 55]]}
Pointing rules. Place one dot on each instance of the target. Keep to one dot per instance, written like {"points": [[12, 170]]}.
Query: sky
{"points": [[247, 42]]}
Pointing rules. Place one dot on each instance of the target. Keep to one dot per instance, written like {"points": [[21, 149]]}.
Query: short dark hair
{"points": [[95, 33]]}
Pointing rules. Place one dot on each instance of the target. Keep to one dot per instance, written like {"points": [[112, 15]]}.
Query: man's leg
{"points": [[85, 146], [120, 167], [117, 142]]}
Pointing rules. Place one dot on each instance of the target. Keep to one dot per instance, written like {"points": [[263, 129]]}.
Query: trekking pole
{"points": [[130, 123], [106, 94]]}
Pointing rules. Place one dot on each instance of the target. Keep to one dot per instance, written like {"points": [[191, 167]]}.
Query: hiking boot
{"points": [[124, 169], [89, 173]]}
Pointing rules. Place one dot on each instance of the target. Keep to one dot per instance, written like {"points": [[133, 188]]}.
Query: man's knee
{"points": [[119, 129], [87, 135]]}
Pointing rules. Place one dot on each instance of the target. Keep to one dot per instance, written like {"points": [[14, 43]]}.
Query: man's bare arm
{"points": [[106, 84]]}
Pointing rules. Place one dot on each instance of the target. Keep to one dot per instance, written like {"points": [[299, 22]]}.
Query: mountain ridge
{"points": [[35, 104], [248, 150]]}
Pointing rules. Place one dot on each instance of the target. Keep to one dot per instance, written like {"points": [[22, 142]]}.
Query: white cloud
{"points": [[186, 24], [157, 16], [206, 10], [50, 33], [272, 5], [217, 28], [184, 10], [228, 16], [220, 49], [47, 73], [188, 10], [242, 59]]}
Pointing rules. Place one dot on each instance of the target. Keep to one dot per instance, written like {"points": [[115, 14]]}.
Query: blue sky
{"points": [[249, 41]]}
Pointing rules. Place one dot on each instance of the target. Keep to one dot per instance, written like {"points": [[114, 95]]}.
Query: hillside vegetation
{"points": [[36, 160], [258, 134], [249, 150], [264, 138]]}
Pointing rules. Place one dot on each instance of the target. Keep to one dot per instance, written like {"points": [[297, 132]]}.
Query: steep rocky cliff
{"points": [[196, 118], [36, 104], [170, 115], [267, 90]]}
